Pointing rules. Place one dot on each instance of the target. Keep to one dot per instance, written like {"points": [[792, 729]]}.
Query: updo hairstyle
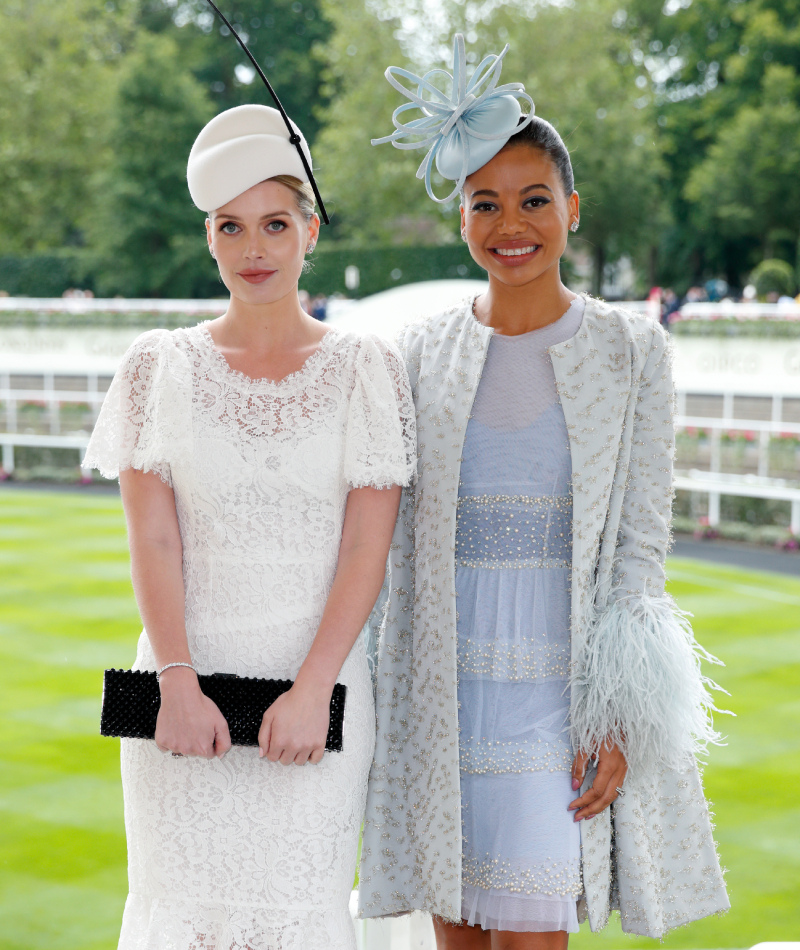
{"points": [[539, 133], [303, 193]]}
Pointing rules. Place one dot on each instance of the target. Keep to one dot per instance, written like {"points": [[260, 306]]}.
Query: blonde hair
{"points": [[303, 193]]}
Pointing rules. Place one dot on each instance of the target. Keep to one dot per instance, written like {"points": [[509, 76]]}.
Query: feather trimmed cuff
{"points": [[639, 684]]}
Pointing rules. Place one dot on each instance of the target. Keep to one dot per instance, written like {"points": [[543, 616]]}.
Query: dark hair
{"points": [[538, 133]]}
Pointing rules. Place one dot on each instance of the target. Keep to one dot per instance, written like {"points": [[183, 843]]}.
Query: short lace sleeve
{"points": [[381, 445], [145, 419]]}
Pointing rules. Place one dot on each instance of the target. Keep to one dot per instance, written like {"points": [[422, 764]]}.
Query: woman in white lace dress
{"points": [[259, 457]]}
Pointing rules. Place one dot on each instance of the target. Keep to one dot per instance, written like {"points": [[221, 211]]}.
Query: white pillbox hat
{"points": [[239, 148]]}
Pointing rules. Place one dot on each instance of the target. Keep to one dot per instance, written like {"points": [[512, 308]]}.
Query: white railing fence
{"points": [[33, 406]]}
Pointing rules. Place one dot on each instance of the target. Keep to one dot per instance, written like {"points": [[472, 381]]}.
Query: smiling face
{"points": [[516, 217], [259, 241]]}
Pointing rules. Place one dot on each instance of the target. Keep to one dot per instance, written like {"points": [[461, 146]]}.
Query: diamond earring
{"points": [[463, 236], [574, 226], [310, 248]]}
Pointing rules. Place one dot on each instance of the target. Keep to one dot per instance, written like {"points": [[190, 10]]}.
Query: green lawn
{"points": [[68, 612]]}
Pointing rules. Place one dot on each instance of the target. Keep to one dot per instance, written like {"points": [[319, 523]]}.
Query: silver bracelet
{"points": [[169, 666]]}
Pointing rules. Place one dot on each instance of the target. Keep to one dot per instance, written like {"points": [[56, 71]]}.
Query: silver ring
{"points": [[620, 791], [179, 755]]}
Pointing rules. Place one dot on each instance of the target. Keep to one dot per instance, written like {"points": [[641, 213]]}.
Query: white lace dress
{"points": [[240, 853]]}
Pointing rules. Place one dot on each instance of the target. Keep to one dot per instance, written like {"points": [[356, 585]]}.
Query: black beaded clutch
{"points": [[131, 700]]}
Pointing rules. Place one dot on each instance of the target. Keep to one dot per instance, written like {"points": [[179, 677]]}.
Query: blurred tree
{"points": [[281, 35], [748, 185], [708, 62], [147, 236], [773, 276], [57, 61], [575, 62], [371, 190], [569, 59]]}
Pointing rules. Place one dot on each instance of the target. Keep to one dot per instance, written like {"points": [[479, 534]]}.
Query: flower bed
{"points": [[739, 450], [774, 536], [727, 326]]}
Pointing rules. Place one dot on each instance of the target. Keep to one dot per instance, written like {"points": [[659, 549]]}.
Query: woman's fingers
{"points": [[599, 797], [264, 735], [222, 738], [579, 770], [292, 754], [611, 771], [189, 722], [294, 728], [285, 751]]}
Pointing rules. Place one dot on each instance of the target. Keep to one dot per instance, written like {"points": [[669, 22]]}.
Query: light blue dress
{"points": [[520, 845]]}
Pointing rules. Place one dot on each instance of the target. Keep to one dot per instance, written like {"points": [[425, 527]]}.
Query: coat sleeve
{"points": [[639, 680], [387, 854]]}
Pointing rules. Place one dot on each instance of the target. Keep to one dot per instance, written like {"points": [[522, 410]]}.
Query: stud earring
{"points": [[463, 236], [310, 248], [574, 226]]}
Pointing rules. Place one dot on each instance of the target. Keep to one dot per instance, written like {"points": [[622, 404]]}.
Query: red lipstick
{"points": [[255, 275], [514, 253]]}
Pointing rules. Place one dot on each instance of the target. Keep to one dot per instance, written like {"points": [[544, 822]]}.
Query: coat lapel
{"points": [[450, 367]]}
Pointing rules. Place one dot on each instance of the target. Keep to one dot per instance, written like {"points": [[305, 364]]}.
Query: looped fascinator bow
{"points": [[464, 129]]}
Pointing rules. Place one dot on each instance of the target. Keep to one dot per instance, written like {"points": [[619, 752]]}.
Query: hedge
{"points": [[43, 275], [383, 267], [774, 276], [730, 326], [49, 275]]}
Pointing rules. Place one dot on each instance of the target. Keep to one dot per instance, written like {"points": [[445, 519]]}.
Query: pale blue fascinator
{"points": [[464, 129]]}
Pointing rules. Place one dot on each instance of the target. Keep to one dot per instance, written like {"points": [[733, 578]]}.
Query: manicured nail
{"points": [[575, 785], [579, 819], [261, 753]]}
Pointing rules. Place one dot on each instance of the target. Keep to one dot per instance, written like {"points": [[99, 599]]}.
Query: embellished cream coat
{"points": [[635, 665]]}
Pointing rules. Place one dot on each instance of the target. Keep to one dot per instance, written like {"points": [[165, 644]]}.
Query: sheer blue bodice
{"points": [[521, 848]]}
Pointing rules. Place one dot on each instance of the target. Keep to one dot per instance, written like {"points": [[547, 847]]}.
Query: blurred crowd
{"points": [[316, 307], [712, 291]]}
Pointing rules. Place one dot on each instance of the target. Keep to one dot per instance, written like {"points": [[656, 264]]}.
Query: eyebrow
{"points": [[264, 217], [523, 191]]}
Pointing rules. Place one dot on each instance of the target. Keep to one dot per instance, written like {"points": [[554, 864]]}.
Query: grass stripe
{"points": [[68, 612]]}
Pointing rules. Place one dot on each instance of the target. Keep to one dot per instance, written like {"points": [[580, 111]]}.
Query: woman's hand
{"points": [[611, 771], [295, 727], [189, 723]]}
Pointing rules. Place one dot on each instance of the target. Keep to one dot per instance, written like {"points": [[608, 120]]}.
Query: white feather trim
{"points": [[639, 683]]}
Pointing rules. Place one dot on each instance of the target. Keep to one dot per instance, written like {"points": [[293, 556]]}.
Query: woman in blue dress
{"points": [[538, 636]]}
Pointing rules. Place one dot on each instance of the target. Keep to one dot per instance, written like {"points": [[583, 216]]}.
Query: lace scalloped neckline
{"points": [[309, 364]]}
